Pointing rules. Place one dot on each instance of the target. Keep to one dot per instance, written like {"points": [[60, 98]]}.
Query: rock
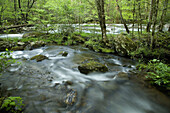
{"points": [[91, 67], [123, 45], [39, 58], [1, 39], [63, 53], [68, 82], [33, 35], [78, 39], [5, 45], [19, 48], [34, 45], [123, 75], [71, 97], [20, 43]]}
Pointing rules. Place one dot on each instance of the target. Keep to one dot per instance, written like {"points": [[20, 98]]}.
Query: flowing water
{"points": [[45, 86], [88, 28]]}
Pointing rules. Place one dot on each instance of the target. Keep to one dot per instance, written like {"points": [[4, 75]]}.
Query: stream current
{"points": [[44, 86]]}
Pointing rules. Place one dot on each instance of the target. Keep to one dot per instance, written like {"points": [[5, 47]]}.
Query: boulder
{"points": [[39, 58], [92, 66], [123, 45]]}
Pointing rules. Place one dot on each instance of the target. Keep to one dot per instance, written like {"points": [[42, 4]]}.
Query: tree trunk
{"points": [[127, 30], [154, 23], [140, 16], [15, 9], [133, 18], [16, 26], [150, 16], [162, 23], [101, 16]]}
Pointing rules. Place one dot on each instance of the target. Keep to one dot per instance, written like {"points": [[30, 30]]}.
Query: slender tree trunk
{"points": [[133, 18], [154, 24], [123, 21], [22, 15], [150, 16], [162, 23], [101, 16], [140, 16], [15, 9]]}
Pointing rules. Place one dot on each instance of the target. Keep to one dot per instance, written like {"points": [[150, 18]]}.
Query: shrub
{"points": [[158, 72], [11, 105], [6, 60]]}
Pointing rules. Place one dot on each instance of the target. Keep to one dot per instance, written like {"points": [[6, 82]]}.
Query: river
{"points": [[44, 86]]}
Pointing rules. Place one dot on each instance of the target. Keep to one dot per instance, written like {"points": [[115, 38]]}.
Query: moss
{"points": [[39, 58], [91, 67], [17, 48]]}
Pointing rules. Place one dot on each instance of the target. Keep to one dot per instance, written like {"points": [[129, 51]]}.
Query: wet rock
{"points": [[71, 97], [34, 45], [123, 45], [123, 75], [92, 66], [39, 58], [69, 83], [63, 53]]}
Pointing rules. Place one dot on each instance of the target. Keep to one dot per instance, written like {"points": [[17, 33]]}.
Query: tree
{"points": [[123, 21], [101, 16]]}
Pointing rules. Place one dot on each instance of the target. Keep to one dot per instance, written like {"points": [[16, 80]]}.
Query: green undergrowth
{"points": [[157, 72], [11, 105]]}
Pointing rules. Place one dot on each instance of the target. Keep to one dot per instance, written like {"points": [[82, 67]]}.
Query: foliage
{"points": [[157, 71], [11, 105], [6, 60]]}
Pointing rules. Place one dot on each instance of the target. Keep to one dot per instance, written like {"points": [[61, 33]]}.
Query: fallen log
{"points": [[16, 26]]}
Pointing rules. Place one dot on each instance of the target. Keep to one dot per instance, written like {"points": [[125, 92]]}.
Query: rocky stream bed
{"points": [[54, 83]]}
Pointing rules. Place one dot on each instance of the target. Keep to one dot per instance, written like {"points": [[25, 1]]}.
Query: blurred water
{"points": [[42, 84]]}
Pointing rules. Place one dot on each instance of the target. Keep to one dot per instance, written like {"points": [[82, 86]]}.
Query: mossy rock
{"points": [[33, 35], [78, 39], [39, 58], [107, 50], [36, 44], [6, 45], [18, 48], [92, 66], [124, 45], [63, 53]]}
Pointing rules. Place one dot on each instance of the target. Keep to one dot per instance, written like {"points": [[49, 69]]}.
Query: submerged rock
{"points": [[92, 66], [39, 58], [71, 97], [123, 75]]}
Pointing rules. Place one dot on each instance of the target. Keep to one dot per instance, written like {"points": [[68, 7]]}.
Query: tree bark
{"points": [[150, 16], [101, 16], [154, 23], [123, 21], [162, 23]]}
